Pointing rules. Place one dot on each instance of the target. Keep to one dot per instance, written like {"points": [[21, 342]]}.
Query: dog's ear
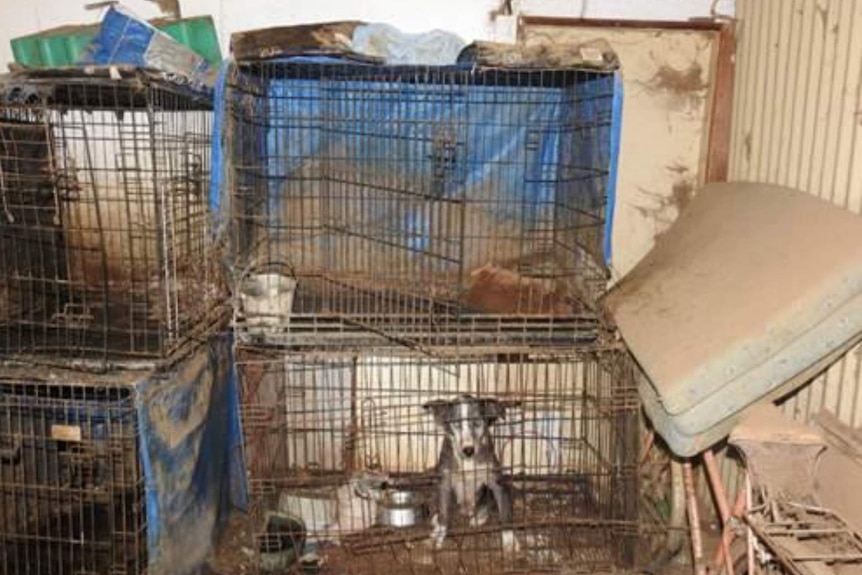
{"points": [[492, 410], [439, 408]]}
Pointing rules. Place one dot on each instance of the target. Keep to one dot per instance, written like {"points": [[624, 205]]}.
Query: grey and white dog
{"points": [[470, 474]]}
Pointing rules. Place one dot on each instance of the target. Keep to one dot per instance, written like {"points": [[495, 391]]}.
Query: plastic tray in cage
{"points": [[754, 290]]}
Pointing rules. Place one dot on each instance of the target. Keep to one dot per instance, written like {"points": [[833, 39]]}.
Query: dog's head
{"points": [[467, 421]]}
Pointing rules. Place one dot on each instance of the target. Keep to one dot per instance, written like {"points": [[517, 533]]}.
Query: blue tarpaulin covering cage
{"points": [[191, 445], [127, 472], [527, 142]]}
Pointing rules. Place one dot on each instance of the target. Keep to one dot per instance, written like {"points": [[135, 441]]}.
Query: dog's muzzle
{"points": [[468, 451]]}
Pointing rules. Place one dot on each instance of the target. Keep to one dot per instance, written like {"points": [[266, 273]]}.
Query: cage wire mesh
{"points": [[103, 216], [331, 440], [71, 485], [429, 206]]}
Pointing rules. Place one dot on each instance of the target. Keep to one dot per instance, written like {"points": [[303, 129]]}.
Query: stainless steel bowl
{"points": [[400, 497], [399, 508]]}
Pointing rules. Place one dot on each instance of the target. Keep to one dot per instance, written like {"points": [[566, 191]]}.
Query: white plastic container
{"points": [[267, 301]]}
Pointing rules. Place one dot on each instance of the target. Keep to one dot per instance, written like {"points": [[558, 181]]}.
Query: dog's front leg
{"points": [[503, 497], [440, 521]]}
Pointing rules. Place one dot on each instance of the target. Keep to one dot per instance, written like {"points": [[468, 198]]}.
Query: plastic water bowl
{"points": [[267, 300]]}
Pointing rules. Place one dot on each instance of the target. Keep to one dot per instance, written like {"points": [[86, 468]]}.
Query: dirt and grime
{"points": [[556, 531]]}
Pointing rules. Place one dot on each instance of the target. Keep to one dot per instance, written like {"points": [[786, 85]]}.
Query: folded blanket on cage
{"points": [[385, 44]]}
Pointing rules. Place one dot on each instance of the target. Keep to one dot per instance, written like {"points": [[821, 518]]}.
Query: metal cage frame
{"points": [[314, 423], [425, 206], [71, 480], [104, 218]]}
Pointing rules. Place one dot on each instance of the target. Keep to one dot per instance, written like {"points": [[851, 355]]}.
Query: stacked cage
{"points": [[429, 206], [409, 237], [106, 269], [71, 483], [103, 217], [332, 438]]}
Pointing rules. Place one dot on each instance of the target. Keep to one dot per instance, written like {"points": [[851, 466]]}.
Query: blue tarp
{"points": [[191, 445], [125, 40], [616, 131], [523, 145]]}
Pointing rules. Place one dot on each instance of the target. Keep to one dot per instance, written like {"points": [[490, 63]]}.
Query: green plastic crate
{"points": [[63, 46]]}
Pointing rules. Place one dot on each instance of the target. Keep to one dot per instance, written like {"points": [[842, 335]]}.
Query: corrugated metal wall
{"points": [[797, 122]]}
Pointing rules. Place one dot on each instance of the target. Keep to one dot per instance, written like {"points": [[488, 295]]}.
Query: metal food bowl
{"points": [[400, 508], [281, 543]]}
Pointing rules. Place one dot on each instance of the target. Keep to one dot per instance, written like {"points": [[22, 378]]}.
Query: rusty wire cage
{"points": [[71, 484], [329, 436], [103, 215], [423, 205]]}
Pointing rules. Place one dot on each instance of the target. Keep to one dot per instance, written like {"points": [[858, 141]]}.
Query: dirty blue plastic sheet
{"points": [[525, 143], [218, 177], [123, 39], [616, 131], [191, 445]]}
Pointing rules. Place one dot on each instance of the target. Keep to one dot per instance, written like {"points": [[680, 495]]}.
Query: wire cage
{"points": [[422, 205], [71, 485], [103, 215], [333, 442]]}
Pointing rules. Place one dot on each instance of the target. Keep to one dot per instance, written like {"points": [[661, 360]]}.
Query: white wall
{"points": [[626, 9], [799, 126], [468, 18]]}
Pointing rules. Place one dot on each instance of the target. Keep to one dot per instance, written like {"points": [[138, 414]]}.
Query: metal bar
{"points": [[728, 534], [718, 491], [693, 518], [749, 532]]}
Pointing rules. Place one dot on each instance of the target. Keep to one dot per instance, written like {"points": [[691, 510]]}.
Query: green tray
{"points": [[63, 46]]}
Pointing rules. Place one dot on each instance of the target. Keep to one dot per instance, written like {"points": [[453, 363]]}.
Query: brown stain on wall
{"points": [[679, 81], [666, 208], [681, 195], [684, 87]]}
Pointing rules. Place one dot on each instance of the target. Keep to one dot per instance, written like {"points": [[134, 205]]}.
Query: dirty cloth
{"points": [[191, 444], [752, 292], [392, 46], [597, 54]]}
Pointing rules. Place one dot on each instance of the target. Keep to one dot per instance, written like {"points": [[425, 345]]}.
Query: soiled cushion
{"points": [[751, 292]]}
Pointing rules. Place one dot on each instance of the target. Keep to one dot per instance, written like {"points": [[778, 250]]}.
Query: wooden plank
{"points": [[696, 24], [721, 112], [270, 42], [840, 435]]}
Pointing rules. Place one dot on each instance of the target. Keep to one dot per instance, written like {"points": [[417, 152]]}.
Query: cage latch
{"points": [[12, 453], [74, 315]]}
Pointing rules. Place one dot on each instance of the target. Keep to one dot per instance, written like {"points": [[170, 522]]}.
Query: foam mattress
{"points": [[753, 291]]}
